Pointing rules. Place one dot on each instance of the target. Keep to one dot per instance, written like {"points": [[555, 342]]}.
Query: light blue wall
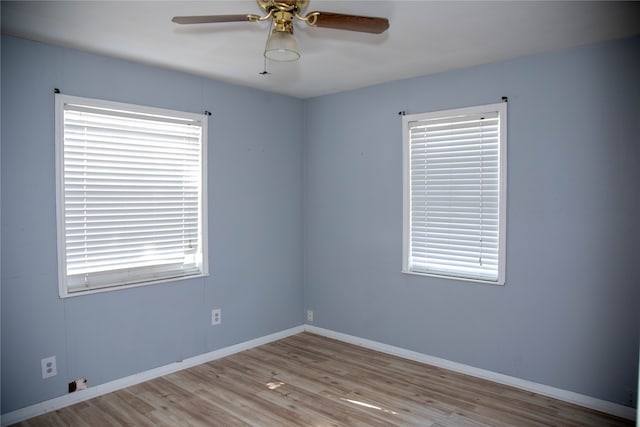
{"points": [[255, 227], [568, 314]]}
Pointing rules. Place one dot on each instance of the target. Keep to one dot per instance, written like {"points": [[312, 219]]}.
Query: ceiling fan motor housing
{"points": [[292, 6], [283, 22]]}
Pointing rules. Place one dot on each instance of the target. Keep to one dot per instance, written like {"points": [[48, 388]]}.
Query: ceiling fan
{"points": [[282, 45]]}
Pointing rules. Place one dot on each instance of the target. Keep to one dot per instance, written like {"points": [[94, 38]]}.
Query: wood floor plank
{"points": [[309, 380]]}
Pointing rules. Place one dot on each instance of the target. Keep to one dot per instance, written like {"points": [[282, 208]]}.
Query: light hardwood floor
{"points": [[315, 381]]}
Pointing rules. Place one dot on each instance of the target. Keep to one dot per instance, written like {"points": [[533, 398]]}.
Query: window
{"points": [[454, 193], [131, 195]]}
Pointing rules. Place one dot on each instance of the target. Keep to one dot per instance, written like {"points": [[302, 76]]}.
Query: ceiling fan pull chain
{"points": [[264, 70]]}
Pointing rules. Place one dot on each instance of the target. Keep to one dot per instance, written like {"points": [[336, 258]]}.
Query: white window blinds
{"points": [[130, 186], [454, 198]]}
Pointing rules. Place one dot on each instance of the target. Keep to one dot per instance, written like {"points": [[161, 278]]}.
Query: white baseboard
{"points": [[91, 392], [545, 390], [80, 396]]}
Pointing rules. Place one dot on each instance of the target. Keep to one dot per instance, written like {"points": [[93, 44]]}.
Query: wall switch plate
{"points": [[216, 316], [309, 315], [48, 366]]}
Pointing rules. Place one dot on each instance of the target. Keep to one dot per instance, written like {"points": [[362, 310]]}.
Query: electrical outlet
{"points": [[48, 366], [631, 398], [309, 315], [216, 316]]}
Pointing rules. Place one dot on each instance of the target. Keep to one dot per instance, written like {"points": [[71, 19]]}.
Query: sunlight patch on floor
{"points": [[370, 406], [274, 385]]}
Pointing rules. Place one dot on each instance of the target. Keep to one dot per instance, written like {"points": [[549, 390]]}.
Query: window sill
{"points": [[462, 279], [65, 294]]}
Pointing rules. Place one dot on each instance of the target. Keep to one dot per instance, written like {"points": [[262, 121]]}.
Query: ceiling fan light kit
{"points": [[282, 45]]}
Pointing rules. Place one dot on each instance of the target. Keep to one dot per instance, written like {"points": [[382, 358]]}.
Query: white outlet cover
{"points": [[309, 315], [216, 316], [49, 368]]}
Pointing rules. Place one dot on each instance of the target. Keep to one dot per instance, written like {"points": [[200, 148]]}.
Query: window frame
{"points": [[501, 109], [60, 101]]}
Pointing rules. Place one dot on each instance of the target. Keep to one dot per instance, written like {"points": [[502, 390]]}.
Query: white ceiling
{"points": [[424, 37]]}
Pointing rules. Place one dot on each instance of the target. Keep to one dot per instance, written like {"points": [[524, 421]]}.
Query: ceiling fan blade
{"points": [[209, 19], [339, 21]]}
